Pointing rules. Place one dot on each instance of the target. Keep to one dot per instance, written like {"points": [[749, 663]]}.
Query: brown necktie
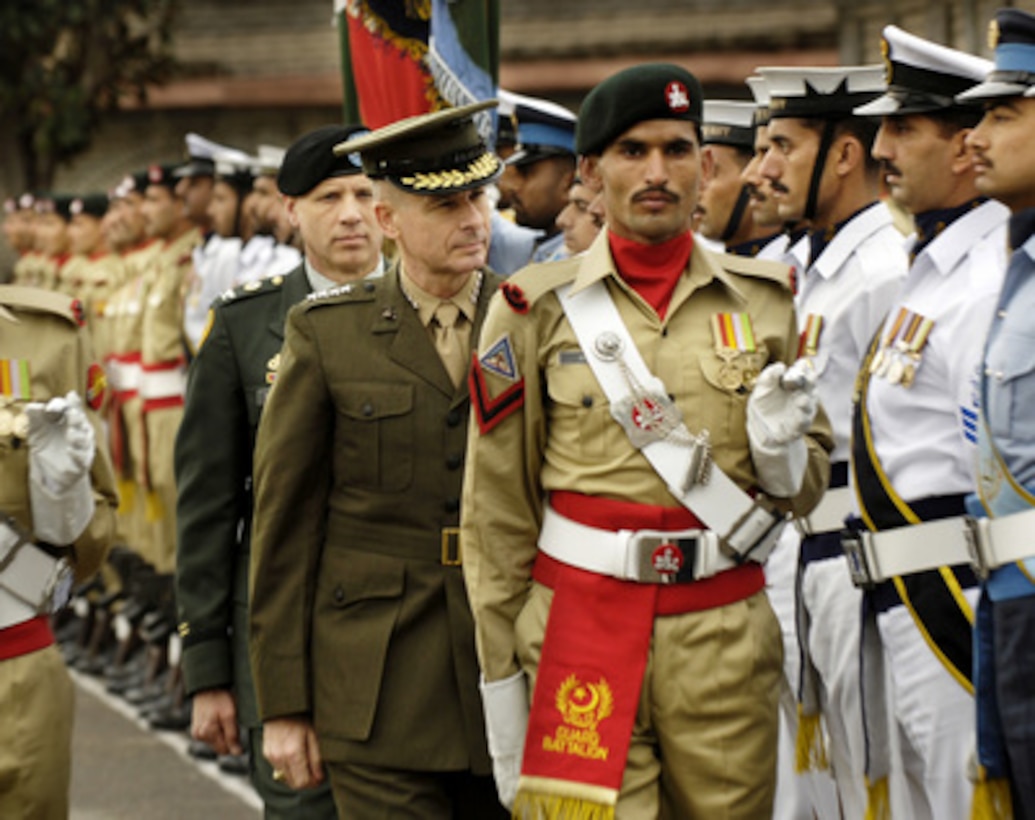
{"points": [[447, 340]]}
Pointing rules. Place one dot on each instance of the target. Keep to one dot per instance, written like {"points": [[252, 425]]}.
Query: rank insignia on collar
{"points": [[499, 359]]}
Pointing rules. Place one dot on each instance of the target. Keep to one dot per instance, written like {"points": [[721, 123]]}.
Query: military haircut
{"points": [[862, 129]]}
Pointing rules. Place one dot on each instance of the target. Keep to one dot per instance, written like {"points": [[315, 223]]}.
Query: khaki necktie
{"points": [[447, 340]]}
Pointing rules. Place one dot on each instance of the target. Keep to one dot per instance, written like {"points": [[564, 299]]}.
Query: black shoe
{"points": [[234, 764], [171, 718], [200, 750]]}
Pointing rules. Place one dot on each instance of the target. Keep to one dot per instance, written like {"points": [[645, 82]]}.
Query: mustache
{"points": [[890, 168], [655, 190], [778, 186], [754, 192]]}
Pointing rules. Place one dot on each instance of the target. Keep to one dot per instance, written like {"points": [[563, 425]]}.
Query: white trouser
{"points": [[834, 607], [935, 720], [810, 794]]}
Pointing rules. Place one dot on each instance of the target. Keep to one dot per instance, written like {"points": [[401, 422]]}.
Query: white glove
{"points": [[506, 721], [779, 412], [61, 451]]}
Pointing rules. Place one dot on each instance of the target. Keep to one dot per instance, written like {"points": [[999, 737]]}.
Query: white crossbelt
{"points": [[633, 555], [32, 583], [744, 525], [874, 557], [161, 384], [1004, 540], [830, 513]]}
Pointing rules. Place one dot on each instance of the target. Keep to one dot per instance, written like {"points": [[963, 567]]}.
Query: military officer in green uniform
{"points": [[227, 386], [362, 642]]}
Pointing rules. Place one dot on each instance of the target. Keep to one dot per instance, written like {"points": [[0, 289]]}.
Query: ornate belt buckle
{"points": [[451, 555], [657, 557]]}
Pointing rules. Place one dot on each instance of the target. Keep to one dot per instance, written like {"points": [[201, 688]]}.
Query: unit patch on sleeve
{"points": [[495, 364]]}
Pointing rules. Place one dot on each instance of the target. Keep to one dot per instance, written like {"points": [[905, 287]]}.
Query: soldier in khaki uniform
{"points": [[162, 352], [57, 500], [599, 579], [227, 387], [51, 223], [362, 643], [19, 232]]}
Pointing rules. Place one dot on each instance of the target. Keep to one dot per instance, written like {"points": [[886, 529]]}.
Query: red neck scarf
{"points": [[652, 270]]}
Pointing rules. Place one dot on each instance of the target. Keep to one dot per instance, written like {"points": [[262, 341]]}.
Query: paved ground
{"points": [[122, 770]]}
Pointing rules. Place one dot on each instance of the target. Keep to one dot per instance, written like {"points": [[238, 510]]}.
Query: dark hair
{"points": [[955, 119], [862, 129]]}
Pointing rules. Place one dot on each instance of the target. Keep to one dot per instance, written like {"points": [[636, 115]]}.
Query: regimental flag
{"points": [[401, 58]]}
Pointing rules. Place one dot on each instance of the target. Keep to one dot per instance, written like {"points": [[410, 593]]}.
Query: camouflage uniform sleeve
{"points": [[292, 486], [503, 501]]}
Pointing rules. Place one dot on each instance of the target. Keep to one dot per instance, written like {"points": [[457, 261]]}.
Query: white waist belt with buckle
{"points": [[646, 556], [124, 376], [874, 557], [162, 384], [830, 513], [1004, 540], [32, 582]]}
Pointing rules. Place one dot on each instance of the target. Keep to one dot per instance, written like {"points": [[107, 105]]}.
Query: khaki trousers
{"points": [[705, 735], [37, 702]]}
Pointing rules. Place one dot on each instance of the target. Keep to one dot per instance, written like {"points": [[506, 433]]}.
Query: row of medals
{"points": [[896, 363], [13, 421], [735, 372]]}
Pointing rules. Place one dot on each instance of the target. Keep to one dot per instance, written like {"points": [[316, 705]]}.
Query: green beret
{"points": [[652, 91], [311, 159]]}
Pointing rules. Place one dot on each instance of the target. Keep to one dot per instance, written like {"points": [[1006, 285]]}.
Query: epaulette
{"points": [[43, 301], [253, 288], [532, 282], [351, 292], [758, 268]]}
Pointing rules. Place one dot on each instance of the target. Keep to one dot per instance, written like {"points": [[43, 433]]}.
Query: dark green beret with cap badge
{"points": [[437, 153], [652, 91]]}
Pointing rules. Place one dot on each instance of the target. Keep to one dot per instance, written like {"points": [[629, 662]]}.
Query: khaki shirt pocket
{"points": [[375, 435], [358, 597], [580, 414]]}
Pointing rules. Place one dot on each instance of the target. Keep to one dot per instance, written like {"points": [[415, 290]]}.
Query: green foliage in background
{"points": [[64, 63]]}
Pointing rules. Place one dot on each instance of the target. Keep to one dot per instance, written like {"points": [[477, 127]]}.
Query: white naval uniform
{"points": [[925, 439], [215, 268], [852, 285], [262, 256], [809, 794]]}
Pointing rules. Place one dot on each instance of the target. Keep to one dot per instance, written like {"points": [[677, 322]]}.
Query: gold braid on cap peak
{"points": [[481, 168]]}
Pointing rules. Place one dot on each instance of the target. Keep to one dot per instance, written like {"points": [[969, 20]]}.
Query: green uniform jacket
{"points": [[226, 388], [355, 620]]}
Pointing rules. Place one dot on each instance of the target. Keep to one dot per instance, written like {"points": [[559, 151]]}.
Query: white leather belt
{"points": [[162, 384], [1001, 541], [830, 513], [874, 557], [124, 376], [32, 583], [646, 556]]}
